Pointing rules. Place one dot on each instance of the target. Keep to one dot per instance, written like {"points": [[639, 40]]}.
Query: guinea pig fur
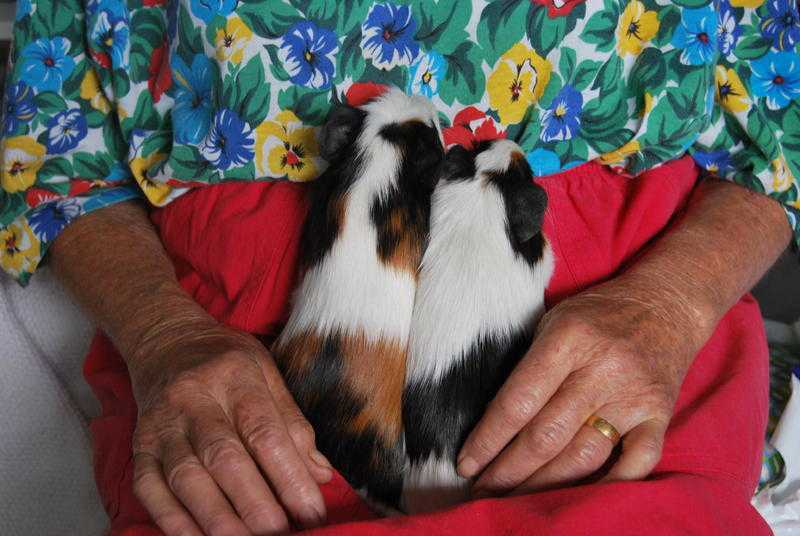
{"points": [[343, 351], [480, 292]]}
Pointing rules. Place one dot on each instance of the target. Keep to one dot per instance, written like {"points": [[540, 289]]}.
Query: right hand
{"points": [[220, 447]]}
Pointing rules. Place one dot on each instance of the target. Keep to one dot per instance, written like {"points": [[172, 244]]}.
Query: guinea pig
{"points": [[479, 296], [343, 351]]}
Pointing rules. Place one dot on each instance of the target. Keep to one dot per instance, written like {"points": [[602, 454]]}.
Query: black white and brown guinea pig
{"points": [[480, 292], [343, 350]]}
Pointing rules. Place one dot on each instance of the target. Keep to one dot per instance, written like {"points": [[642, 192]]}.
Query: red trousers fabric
{"points": [[235, 247]]}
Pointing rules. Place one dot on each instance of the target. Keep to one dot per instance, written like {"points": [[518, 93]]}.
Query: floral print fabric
{"points": [[109, 100]]}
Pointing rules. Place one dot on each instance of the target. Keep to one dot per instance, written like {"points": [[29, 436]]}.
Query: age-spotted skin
{"points": [[481, 290], [343, 351]]}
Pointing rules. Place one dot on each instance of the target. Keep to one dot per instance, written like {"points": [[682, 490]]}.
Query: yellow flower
{"points": [[518, 80], [22, 159], [636, 27], [232, 40], [731, 93], [746, 3], [19, 248], [784, 178], [156, 192], [286, 148], [618, 156], [90, 91]]}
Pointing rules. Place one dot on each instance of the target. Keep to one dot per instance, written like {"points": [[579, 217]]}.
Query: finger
{"points": [[195, 488], [152, 491], [527, 390], [585, 454], [266, 437], [301, 432], [641, 451], [220, 450], [540, 441]]}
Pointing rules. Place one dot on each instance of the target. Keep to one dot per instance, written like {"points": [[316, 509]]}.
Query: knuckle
{"points": [[302, 432], [265, 436], [224, 453], [143, 481], [548, 439], [222, 524], [590, 454], [515, 410], [173, 523], [650, 451], [183, 470]]}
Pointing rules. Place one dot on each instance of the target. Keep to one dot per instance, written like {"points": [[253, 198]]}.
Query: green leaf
{"points": [[350, 61], [603, 123], [752, 47], [275, 65], [269, 19], [190, 38], [114, 143], [441, 26], [57, 17], [350, 14], [54, 167], [692, 3], [500, 28], [246, 172], [553, 87], [464, 79], [585, 74], [545, 32], [94, 118], [566, 65], [11, 206], [526, 132], [146, 117], [50, 103], [600, 29], [90, 166], [71, 88], [121, 84], [188, 164], [217, 23], [160, 142], [762, 134], [649, 73], [252, 103], [669, 17], [609, 78], [310, 105]]}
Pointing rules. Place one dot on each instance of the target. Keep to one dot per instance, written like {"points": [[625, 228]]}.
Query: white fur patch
{"points": [[472, 284], [432, 485]]}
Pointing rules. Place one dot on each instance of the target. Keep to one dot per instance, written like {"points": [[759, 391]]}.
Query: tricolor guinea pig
{"points": [[480, 292], [343, 351]]}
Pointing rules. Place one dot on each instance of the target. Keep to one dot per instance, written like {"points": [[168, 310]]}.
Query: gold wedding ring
{"points": [[604, 427]]}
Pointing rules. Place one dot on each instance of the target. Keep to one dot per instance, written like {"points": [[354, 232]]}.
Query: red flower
{"points": [[152, 3], [558, 8], [470, 127], [102, 59], [160, 79], [363, 92], [36, 196]]}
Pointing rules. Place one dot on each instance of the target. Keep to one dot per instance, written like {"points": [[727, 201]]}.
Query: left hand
{"points": [[618, 351]]}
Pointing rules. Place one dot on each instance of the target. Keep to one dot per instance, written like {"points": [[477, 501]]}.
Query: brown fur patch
{"points": [[296, 354], [405, 254], [376, 372]]}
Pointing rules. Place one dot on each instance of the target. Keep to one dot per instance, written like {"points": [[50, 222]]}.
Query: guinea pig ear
{"points": [[526, 203], [458, 163], [428, 153], [340, 130]]}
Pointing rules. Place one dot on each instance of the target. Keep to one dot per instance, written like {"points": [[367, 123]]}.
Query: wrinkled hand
{"points": [[619, 351], [220, 446]]}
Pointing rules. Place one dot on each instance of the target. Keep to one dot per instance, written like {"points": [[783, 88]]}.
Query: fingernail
{"points": [[320, 459], [467, 467]]}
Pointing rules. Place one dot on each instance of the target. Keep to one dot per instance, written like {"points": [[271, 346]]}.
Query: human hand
{"points": [[618, 351], [220, 446]]}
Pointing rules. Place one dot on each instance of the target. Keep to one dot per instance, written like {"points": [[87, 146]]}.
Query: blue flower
{"points": [[728, 31], [49, 219], [192, 110], [208, 9], [696, 35], [562, 120], [387, 36], [544, 162], [781, 24], [19, 106], [308, 53], [426, 73], [716, 162], [24, 8], [118, 173], [230, 141], [46, 63], [65, 130], [776, 76], [110, 32]]}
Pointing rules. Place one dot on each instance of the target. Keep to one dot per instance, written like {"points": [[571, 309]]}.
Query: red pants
{"points": [[235, 247]]}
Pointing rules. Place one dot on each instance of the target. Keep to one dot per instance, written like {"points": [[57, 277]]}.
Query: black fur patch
{"points": [[438, 416], [362, 459]]}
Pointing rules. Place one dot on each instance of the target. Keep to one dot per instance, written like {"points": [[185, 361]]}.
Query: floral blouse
{"points": [[110, 100]]}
